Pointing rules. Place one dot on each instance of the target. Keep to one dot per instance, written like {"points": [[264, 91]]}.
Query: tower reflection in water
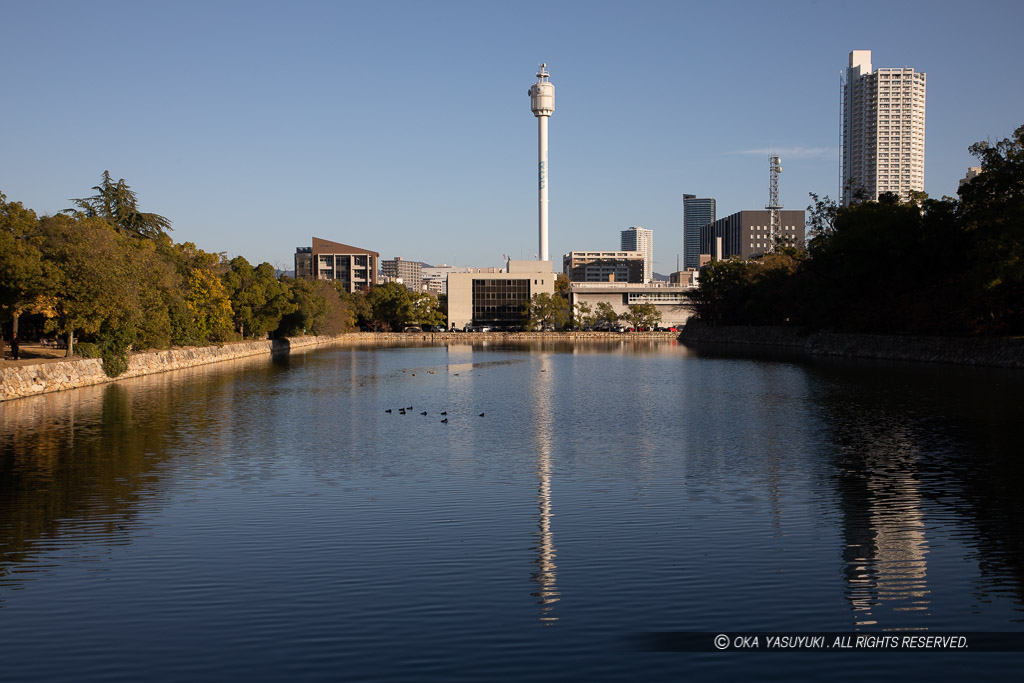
{"points": [[545, 574], [886, 551]]}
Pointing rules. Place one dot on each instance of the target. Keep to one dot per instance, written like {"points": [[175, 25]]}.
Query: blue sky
{"points": [[405, 127]]}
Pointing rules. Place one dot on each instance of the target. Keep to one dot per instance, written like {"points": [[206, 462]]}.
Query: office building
{"points": [[697, 212], [670, 300], [497, 300], [641, 240], [354, 267], [747, 234], [603, 266], [409, 273], [883, 130]]}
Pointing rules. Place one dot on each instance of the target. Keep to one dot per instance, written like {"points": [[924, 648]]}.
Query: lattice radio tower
{"points": [[774, 205]]}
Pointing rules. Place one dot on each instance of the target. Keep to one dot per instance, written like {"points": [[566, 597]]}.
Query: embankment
{"points": [[19, 381], [1004, 352], [31, 380]]}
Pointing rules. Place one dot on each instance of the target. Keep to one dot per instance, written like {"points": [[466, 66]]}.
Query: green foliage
{"points": [[605, 314], [309, 310], [22, 272], [426, 309], [923, 266], [113, 346], [87, 350], [258, 299], [643, 316], [338, 317], [583, 315], [358, 305], [546, 310], [562, 284], [391, 306], [117, 203]]}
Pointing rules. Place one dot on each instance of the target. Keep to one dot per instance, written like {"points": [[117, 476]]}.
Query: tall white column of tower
{"points": [[542, 102]]}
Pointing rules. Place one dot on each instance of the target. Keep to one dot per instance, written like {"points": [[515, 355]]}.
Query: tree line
{"points": [[109, 274], [952, 266]]}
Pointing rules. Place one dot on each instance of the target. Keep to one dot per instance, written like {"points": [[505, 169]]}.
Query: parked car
{"points": [[413, 328]]}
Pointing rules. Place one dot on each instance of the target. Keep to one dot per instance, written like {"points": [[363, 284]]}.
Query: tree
{"points": [[391, 306], [22, 275], [204, 314], [562, 284], [642, 316], [583, 315], [117, 203], [426, 309], [546, 310], [358, 305], [91, 286], [992, 212], [605, 314], [258, 299], [309, 308]]}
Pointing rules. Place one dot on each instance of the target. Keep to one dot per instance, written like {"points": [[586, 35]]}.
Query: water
{"points": [[267, 519]]}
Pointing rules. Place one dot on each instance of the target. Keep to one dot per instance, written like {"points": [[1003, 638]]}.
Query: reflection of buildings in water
{"points": [[886, 546], [544, 576]]}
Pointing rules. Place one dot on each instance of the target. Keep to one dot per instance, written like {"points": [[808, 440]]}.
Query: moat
{"points": [[268, 518]]}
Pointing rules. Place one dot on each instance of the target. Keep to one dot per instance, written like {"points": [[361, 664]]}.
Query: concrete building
{"points": [[497, 299], [356, 268], [670, 300], [641, 240], [697, 212], [747, 234], [883, 130], [603, 266], [686, 278], [409, 273], [972, 173]]}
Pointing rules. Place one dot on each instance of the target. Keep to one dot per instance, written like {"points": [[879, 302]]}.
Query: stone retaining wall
{"points": [[1004, 352], [30, 380]]}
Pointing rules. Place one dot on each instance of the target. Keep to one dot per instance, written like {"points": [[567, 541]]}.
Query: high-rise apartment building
{"points": [[883, 130], [639, 239], [697, 212], [409, 272]]}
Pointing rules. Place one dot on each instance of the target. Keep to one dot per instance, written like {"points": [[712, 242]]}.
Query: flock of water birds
{"points": [[406, 411], [444, 413]]}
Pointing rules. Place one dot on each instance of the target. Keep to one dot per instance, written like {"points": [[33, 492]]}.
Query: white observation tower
{"points": [[542, 102]]}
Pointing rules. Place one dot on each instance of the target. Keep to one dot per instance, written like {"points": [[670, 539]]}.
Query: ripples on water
{"points": [[269, 518]]}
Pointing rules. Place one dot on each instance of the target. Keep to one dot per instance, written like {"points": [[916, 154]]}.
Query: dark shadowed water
{"points": [[269, 520]]}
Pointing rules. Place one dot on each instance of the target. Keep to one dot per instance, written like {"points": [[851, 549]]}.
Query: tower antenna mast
{"points": [[774, 205], [542, 102]]}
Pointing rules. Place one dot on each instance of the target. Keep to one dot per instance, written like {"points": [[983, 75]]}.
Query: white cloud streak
{"points": [[793, 152]]}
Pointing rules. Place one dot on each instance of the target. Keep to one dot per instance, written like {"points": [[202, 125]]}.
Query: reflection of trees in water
{"points": [[83, 460], [916, 448]]}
